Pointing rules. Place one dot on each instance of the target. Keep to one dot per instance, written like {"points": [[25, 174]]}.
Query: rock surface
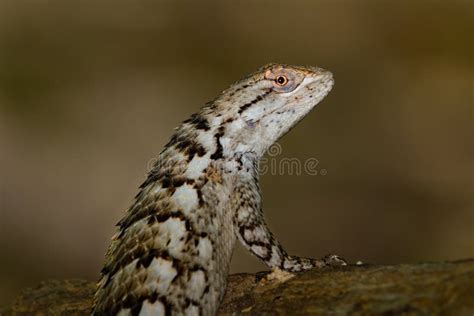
{"points": [[445, 288]]}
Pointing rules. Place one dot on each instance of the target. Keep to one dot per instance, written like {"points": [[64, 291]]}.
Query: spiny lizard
{"points": [[173, 247]]}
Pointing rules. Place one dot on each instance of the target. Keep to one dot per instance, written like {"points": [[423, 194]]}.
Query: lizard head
{"points": [[261, 108]]}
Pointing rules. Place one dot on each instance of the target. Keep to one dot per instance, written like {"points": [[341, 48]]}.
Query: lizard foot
{"points": [[334, 260], [330, 260]]}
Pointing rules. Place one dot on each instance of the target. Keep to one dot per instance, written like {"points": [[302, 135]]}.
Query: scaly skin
{"points": [[173, 247]]}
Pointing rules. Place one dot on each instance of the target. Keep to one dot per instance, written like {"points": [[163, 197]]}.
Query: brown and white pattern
{"points": [[173, 247]]}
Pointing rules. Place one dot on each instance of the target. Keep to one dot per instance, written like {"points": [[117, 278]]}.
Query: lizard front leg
{"points": [[255, 235]]}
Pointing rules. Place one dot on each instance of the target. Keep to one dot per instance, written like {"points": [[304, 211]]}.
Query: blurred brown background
{"points": [[90, 92]]}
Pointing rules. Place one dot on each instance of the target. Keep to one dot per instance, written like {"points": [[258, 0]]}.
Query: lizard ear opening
{"points": [[283, 80]]}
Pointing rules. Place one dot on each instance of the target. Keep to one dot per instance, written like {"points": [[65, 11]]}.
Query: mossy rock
{"points": [[444, 288]]}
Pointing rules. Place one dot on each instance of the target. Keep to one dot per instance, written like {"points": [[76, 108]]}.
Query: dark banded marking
{"points": [[136, 214], [199, 195], [135, 304], [190, 148], [198, 121], [231, 94], [206, 291], [218, 154], [153, 176], [257, 99], [157, 174], [188, 302], [195, 149], [173, 140], [124, 254], [267, 245], [146, 260]]}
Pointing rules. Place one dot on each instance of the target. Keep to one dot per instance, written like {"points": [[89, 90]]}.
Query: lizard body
{"points": [[172, 250]]}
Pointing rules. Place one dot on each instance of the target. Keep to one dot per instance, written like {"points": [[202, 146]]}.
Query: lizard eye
{"points": [[281, 80]]}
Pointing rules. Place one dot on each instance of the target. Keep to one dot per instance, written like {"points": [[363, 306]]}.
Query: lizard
{"points": [[172, 248]]}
